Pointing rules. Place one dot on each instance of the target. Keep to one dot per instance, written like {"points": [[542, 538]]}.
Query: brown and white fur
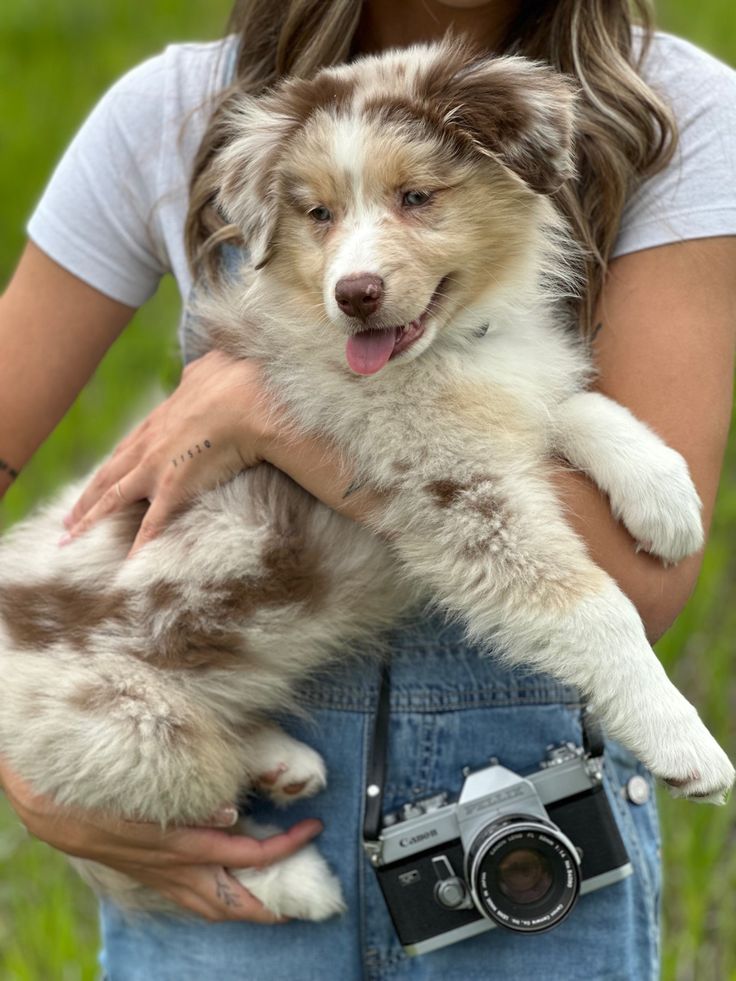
{"points": [[144, 688]]}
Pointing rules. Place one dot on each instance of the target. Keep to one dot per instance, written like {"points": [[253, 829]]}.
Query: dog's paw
{"points": [[285, 768], [663, 513], [668, 736], [300, 887], [700, 770]]}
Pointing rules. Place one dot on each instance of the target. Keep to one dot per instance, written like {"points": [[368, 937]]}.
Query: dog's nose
{"points": [[359, 296]]}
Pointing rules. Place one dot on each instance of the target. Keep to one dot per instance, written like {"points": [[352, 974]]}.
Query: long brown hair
{"points": [[625, 132]]}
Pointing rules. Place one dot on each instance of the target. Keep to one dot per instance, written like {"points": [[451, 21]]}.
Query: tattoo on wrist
{"points": [[596, 330], [354, 486], [191, 453], [224, 889], [7, 469]]}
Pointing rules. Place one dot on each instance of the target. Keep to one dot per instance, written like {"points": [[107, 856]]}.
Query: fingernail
{"points": [[224, 817], [65, 539]]}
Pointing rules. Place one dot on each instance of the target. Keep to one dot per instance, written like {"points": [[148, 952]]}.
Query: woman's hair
{"points": [[625, 132]]}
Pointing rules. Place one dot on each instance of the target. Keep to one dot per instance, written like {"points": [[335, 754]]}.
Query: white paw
{"points": [[693, 765], [300, 887], [663, 511], [286, 769], [666, 733]]}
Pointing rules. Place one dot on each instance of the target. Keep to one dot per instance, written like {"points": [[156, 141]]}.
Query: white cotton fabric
{"points": [[113, 213]]}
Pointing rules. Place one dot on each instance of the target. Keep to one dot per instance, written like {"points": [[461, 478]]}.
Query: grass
{"points": [[57, 56]]}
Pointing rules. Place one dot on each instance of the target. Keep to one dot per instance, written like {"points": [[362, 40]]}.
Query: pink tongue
{"points": [[369, 351]]}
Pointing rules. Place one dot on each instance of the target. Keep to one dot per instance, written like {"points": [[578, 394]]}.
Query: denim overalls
{"points": [[451, 707]]}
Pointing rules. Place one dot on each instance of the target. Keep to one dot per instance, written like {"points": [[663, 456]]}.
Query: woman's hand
{"points": [[186, 865], [213, 426], [218, 422]]}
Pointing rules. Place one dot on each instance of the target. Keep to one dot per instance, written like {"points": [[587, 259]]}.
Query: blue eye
{"points": [[412, 199], [320, 214]]}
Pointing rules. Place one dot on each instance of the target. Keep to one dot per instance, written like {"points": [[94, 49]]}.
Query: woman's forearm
{"points": [[54, 329]]}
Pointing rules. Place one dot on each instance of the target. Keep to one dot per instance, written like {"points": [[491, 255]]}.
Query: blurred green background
{"points": [[56, 58]]}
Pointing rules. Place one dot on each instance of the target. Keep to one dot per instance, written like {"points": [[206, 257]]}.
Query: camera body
{"points": [[513, 851]]}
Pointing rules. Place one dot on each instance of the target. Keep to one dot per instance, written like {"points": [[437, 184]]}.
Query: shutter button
{"points": [[637, 790]]}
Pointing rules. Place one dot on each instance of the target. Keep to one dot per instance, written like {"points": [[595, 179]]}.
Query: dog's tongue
{"points": [[369, 351]]}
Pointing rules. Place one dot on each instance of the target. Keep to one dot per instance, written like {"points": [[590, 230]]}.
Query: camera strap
{"points": [[377, 758], [593, 739]]}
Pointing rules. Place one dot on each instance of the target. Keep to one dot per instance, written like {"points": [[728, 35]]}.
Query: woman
{"points": [[657, 224]]}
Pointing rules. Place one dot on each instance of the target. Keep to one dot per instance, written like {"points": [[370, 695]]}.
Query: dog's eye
{"points": [[412, 199], [320, 214]]}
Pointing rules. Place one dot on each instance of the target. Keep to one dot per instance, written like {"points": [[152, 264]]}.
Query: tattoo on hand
{"points": [[190, 454], [355, 486], [10, 471], [224, 890]]}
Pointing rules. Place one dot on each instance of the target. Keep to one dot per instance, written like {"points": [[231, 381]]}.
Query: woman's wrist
{"points": [[314, 464]]}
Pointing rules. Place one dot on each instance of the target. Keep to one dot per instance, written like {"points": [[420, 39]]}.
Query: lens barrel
{"points": [[524, 873]]}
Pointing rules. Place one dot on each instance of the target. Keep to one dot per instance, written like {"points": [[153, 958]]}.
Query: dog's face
{"points": [[391, 195]]}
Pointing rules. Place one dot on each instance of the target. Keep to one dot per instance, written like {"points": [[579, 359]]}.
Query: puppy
{"points": [[405, 293]]}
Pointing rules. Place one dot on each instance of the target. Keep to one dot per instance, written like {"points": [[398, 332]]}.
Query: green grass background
{"points": [[56, 57]]}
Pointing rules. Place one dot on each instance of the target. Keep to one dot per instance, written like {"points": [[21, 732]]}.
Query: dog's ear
{"points": [[517, 110], [245, 171]]}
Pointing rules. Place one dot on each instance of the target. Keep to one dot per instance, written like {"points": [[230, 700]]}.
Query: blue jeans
{"points": [[451, 707]]}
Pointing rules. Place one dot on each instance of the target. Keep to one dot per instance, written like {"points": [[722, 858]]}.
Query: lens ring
{"points": [[544, 892]]}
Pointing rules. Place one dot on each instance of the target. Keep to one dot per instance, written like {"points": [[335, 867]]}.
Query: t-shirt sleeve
{"points": [[695, 195], [97, 217]]}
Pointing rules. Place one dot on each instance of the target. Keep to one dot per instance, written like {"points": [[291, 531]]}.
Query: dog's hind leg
{"points": [[116, 736]]}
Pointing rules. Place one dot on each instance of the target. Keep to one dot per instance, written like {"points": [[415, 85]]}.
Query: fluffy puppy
{"points": [[405, 292]]}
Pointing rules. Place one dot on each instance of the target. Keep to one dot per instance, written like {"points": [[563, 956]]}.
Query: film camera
{"points": [[512, 851]]}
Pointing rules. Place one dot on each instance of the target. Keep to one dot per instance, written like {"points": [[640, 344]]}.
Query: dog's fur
{"points": [[143, 688]]}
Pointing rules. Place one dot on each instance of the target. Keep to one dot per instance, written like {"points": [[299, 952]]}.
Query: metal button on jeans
{"points": [[637, 790]]}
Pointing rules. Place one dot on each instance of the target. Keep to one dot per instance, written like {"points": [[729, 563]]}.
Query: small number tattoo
{"points": [[224, 890], [10, 471], [190, 454]]}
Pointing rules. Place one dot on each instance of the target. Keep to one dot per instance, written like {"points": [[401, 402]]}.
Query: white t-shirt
{"points": [[113, 213]]}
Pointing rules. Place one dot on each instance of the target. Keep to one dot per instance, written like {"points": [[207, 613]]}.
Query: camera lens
{"points": [[523, 873]]}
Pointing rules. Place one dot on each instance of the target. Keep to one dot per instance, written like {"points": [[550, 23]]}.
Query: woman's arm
{"points": [[665, 349], [54, 330]]}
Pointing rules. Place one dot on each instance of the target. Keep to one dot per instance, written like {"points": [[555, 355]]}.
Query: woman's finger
{"points": [[163, 507], [204, 846], [129, 489], [118, 466]]}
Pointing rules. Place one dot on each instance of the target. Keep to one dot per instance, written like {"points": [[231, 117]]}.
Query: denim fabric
{"points": [[450, 707]]}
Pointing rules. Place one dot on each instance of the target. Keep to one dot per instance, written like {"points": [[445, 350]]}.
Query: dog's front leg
{"points": [[494, 548], [647, 482]]}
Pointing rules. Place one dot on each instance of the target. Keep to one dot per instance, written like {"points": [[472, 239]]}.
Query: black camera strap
{"points": [[593, 738], [378, 755]]}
